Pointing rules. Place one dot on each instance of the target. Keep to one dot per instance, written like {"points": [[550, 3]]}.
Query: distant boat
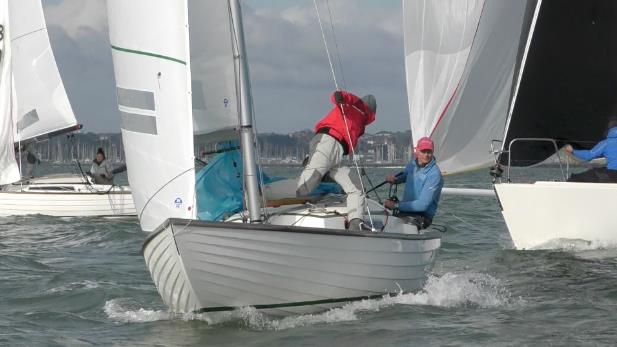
{"points": [[34, 107], [185, 82], [524, 77]]}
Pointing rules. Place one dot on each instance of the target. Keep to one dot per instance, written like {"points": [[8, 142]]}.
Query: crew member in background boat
{"points": [[337, 135], [423, 183], [607, 149], [28, 161], [101, 169]]}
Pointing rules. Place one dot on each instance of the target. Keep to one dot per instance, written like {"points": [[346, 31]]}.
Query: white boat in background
{"points": [[65, 196], [185, 83], [35, 107], [530, 76]]}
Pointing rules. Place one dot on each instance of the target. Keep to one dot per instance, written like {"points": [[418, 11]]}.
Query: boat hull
{"points": [[539, 213], [65, 196], [203, 266]]}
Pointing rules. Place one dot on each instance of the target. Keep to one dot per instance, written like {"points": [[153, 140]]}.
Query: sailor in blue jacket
{"points": [[423, 183], [607, 149]]}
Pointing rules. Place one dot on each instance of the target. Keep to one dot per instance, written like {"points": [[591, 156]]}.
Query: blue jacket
{"points": [[606, 148], [422, 188]]}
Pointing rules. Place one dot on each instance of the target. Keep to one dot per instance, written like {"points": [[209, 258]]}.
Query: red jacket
{"points": [[358, 117]]}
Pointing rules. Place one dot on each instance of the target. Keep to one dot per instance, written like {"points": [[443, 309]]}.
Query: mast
{"points": [[246, 116]]}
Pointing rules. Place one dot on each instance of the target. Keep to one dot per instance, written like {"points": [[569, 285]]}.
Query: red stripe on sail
{"points": [[445, 109]]}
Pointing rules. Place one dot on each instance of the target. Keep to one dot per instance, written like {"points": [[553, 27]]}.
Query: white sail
{"points": [[43, 106], [9, 172], [150, 49], [215, 106], [460, 61]]}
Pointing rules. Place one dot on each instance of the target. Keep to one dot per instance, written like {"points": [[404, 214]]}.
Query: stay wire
{"points": [[323, 36], [337, 50], [353, 152]]}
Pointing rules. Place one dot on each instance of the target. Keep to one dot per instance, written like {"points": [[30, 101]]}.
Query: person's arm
{"points": [[108, 170], [399, 177], [402, 176], [430, 192], [596, 152], [348, 98], [92, 169]]}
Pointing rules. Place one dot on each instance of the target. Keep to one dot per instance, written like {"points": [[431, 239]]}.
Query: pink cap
{"points": [[425, 143]]}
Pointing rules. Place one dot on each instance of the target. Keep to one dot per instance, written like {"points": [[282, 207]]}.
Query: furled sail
{"points": [[9, 172], [569, 79], [150, 49], [43, 106], [460, 62], [213, 75]]}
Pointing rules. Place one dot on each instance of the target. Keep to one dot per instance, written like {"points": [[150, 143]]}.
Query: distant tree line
{"points": [[382, 147]]}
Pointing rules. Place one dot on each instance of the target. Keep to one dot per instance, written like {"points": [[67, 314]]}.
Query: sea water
{"points": [[83, 282]]}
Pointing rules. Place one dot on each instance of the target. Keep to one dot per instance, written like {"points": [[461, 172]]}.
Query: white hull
{"points": [[204, 266], [546, 211], [65, 196]]}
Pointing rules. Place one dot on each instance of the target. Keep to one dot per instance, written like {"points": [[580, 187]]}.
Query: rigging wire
{"points": [[253, 122], [337, 50], [323, 36], [353, 152]]}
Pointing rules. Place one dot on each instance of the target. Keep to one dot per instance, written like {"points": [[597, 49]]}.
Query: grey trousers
{"points": [[326, 155]]}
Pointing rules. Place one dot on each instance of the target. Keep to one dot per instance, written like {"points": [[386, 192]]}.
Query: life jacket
{"points": [[357, 114]]}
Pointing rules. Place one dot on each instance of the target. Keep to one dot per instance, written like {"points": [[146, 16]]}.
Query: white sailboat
{"points": [[35, 107], [187, 82], [526, 76]]}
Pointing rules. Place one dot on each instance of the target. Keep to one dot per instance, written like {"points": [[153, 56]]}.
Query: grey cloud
{"points": [[85, 65], [290, 73]]}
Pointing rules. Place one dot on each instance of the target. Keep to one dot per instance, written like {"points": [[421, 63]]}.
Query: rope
{"points": [[325, 42], [338, 51], [353, 151]]}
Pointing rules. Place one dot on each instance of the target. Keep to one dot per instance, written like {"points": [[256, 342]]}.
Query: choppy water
{"points": [[83, 281]]}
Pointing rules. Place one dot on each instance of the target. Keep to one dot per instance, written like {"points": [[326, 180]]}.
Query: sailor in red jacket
{"points": [[337, 135]]}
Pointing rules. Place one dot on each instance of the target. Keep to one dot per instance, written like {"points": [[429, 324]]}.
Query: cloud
{"points": [[78, 34], [291, 76], [290, 70]]}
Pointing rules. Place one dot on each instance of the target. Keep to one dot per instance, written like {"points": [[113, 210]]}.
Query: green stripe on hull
{"points": [[126, 50], [295, 304]]}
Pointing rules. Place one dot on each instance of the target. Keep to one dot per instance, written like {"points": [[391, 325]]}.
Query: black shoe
{"points": [[358, 224]]}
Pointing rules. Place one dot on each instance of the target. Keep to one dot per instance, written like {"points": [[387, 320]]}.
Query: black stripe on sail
{"points": [[135, 98], [27, 120], [139, 123]]}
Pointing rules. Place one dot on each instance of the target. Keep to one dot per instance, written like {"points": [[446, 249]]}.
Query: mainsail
{"points": [[213, 74], [43, 106], [460, 58], [150, 49], [9, 172]]}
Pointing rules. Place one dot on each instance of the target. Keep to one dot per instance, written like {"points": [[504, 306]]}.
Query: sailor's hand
{"points": [[391, 179], [568, 148], [338, 97], [390, 204]]}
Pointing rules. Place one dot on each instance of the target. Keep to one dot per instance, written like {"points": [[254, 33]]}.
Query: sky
{"points": [[290, 74]]}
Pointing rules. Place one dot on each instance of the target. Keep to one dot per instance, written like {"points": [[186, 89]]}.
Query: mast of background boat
{"points": [[246, 116]]}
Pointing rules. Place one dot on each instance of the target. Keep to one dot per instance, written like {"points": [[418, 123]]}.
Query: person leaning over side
{"points": [[101, 169], [423, 184], [337, 135], [606, 148]]}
